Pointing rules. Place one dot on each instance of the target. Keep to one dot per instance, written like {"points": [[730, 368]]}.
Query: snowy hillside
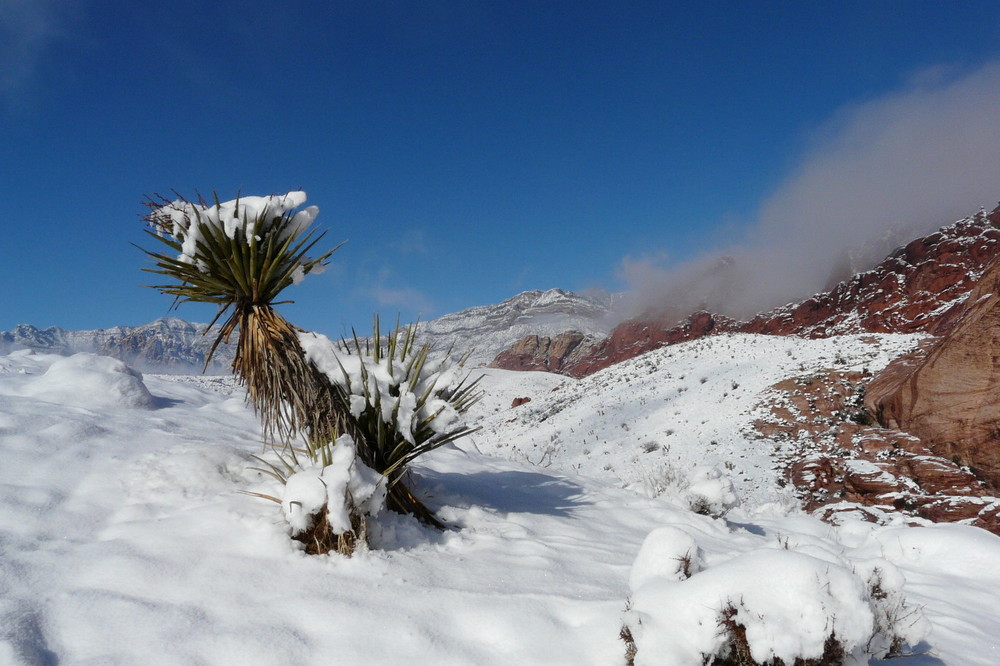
{"points": [[489, 329], [123, 538], [647, 421]]}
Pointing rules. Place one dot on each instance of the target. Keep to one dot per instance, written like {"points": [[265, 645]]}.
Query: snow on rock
{"points": [[92, 381]]}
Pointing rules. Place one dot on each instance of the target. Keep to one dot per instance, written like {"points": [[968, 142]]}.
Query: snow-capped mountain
{"points": [[169, 344], [176, 345], [919, 287], [486, 330]]}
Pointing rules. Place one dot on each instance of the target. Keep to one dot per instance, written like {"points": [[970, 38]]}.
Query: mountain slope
{"points": [[488, 329], [920, 287]]}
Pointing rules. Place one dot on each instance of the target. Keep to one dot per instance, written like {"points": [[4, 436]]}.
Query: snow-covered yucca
{"points": [[240, 255], [404, 404]]}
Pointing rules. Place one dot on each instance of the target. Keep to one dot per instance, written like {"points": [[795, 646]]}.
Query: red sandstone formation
{"points": [[535, 352], [949, 398], [838, 462]]}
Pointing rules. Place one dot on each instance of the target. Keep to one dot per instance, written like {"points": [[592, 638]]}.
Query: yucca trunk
{"points": [[293, 399]]}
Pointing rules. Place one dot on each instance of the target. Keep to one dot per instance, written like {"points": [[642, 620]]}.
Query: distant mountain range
{"points": [[165, 345], [919, 287], [179, 346]]}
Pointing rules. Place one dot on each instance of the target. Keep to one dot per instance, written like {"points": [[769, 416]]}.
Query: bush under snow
{"points": [[771, 602], [710, 492], [344, 486]]}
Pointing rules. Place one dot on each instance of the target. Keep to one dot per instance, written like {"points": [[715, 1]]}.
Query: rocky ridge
{"points": [[920, 287]]}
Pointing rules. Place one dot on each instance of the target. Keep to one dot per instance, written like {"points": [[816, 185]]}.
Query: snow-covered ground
{"points": [[648, 421], [124, 540]]}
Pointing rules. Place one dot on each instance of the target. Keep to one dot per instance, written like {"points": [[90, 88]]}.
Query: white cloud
{"points": [[878, 173], [28, 29], [381, 288], [405, 298]]}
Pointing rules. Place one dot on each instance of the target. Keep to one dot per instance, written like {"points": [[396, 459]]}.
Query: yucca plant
{"points": [[240, 255], [404, 404]]}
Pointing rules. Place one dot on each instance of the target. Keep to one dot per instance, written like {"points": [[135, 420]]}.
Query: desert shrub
{"points": [[404, 404], [709, 491], [862, 417], [765, 607]]}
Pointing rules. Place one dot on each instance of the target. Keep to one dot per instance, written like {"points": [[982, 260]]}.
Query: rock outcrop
{"points": [[950, 398], [535, 352], [840, 462], [626, 341]]}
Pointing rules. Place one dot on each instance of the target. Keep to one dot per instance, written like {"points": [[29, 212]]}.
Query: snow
{"points": [[788, 600], [184, 220], [124, 537], [89, 381], [345, 483]]}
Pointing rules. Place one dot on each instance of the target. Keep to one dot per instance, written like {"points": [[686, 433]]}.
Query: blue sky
{"points": [[471, 150]]}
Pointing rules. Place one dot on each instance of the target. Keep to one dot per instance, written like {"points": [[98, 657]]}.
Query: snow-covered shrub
{"points": [[768, 606], [326, 505], [403, 403], [710, 492]]}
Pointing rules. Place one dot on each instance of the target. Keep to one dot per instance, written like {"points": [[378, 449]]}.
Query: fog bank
{"points": [[874, 176]]}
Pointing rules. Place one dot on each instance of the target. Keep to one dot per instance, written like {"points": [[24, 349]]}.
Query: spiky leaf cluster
{"points": [[404, 404], [249, 255]]}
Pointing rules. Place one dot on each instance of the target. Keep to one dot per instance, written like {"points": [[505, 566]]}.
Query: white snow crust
{"points": [[123, 538]]}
